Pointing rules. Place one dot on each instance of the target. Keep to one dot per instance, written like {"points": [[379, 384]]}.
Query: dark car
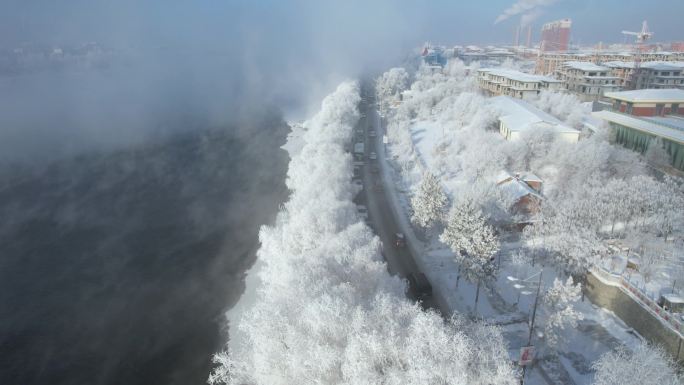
{"points": [[399, 240], [419, 285]]}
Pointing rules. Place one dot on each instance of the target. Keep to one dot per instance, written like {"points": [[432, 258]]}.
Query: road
{"points": [[399, 260]]}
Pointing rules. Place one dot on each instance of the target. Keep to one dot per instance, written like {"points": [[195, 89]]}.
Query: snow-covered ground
{"points": [[441, 127]]}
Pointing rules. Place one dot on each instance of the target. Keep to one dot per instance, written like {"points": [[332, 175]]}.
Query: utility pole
{"points": [[534, 314]]}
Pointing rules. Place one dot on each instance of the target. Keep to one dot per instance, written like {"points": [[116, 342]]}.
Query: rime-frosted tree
{"points": [[429, 202], [327, 311], [473, 242], [559, 301], [646, 365], [390, 84]]}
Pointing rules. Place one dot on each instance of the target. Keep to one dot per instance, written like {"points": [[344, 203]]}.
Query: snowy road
{"points": [[399, 260]]}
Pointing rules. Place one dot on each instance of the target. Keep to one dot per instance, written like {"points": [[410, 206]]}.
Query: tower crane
{"points": [[641, 37]]}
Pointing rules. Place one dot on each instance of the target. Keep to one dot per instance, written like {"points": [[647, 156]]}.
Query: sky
{"points": [[216, 54], [214, 21]]}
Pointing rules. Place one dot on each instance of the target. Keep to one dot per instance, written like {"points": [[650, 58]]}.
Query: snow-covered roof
{"points": [[669, 120], [518, 76], [518, 115], [663, 66], [640, 124], [673, 298], [530, 177], [665, 95], [584, 66], [513, 187], [655, 65]]}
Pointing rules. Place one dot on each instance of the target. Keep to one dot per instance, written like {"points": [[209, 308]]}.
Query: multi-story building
{"points": [[549, 62], [639, 117], [555, 35], [652, 75], [588, 80], [498, 81]]}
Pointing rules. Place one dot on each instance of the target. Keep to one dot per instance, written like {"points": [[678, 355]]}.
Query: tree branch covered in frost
{"points": [[559, 300], [645, 366], [565, 106], [429, 202], [471, 239], [327, 311]]}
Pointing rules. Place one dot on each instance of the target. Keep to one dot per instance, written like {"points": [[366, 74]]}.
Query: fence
{"points": [[672, 320]]}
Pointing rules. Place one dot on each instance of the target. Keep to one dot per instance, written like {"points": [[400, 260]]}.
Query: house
{"points": [[522, 190], [518, 116]]}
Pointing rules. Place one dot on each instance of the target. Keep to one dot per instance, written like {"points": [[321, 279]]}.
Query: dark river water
{"points": [[117, 267]]}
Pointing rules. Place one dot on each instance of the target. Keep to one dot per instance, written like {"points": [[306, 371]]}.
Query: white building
{"points": [[516, 84], [518, 116]]}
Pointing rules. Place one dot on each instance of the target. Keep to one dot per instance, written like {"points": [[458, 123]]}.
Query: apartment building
{"points": [[516, 84], [587, 80], [652, 75]]}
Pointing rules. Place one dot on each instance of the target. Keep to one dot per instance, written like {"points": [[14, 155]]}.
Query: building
{"points": [[549, 62], [522, 191], [650, 102], [555, 36], [517, 116], [588, 80], [639, 117], [652, 75], [516, 84]]}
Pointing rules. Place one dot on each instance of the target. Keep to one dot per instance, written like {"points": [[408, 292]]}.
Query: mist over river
{"points": [[117, 264]]}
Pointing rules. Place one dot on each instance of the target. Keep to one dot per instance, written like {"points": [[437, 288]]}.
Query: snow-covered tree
{"points": [[646, 365], [390, 84], [327, 311], [473, 242], [559, 300], [656, 154], [429, 202]]}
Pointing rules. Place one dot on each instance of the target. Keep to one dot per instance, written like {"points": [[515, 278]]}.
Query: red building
{"points": [[555, 35], [649, 102], [677, 46]]}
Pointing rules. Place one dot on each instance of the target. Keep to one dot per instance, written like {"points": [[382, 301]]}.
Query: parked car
{"points": [[399, 240], [375, 169], [372, 133], [363, 211], [358, 184], [419, 285], [373, 156]]}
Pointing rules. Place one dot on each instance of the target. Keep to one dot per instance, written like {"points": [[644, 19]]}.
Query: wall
{"points": [[633, 314]]}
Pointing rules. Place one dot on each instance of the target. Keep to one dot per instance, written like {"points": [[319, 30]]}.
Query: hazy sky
{"points": [[216, 21], [210, 56]]}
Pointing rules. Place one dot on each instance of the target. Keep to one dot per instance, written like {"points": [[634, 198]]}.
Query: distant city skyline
{"points": [[441, 21]]}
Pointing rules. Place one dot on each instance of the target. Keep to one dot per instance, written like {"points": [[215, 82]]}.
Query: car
{"points": [[399, 240], [373, 156], [371, 133], [419, 285], [362, 211], [357, 172], [377, 186], [358, 184], [375, 169]]}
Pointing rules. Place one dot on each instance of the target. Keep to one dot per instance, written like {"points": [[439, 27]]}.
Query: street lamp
{"points": [[534, 309]]}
